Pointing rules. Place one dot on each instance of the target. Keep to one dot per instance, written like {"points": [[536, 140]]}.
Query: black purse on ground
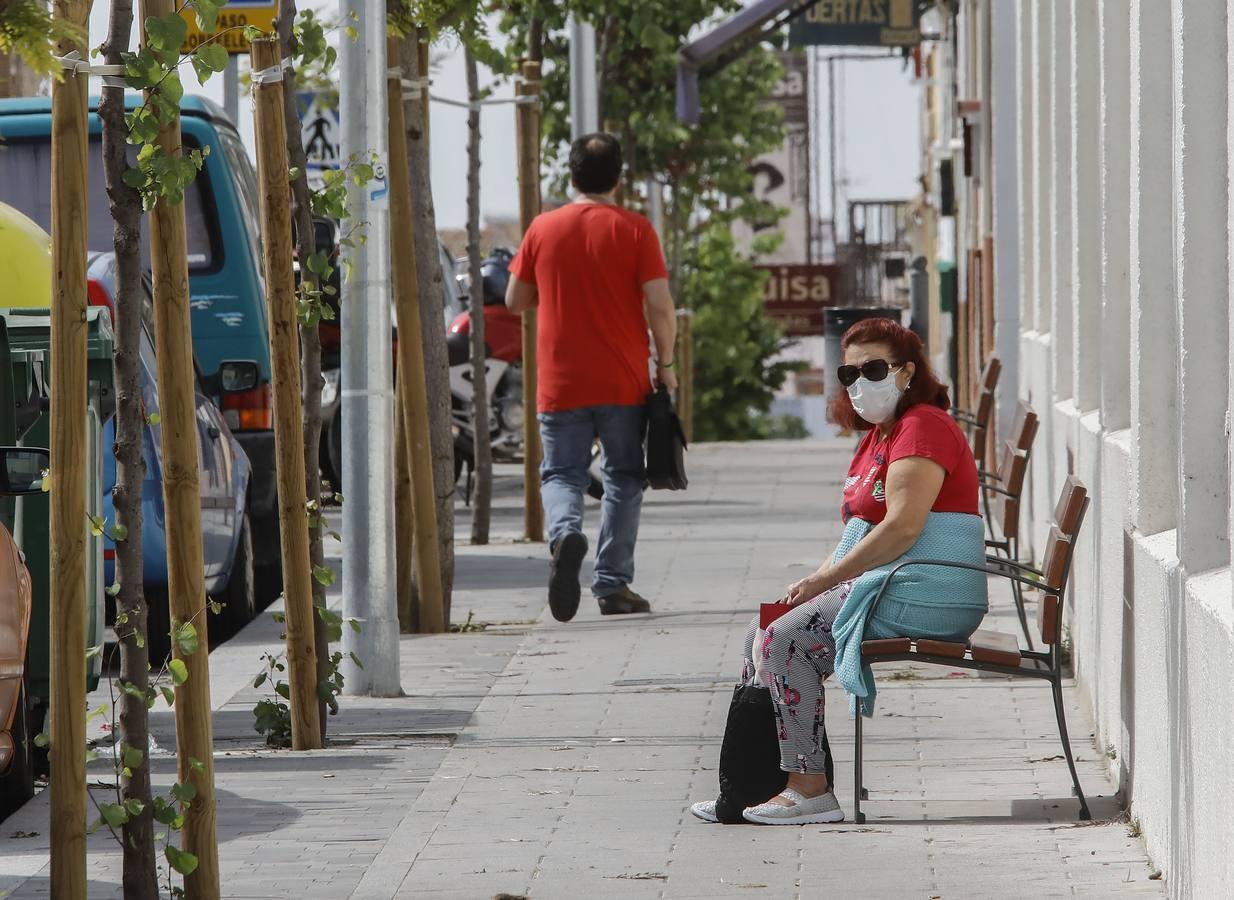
{"points": [[750, 755], [666, 444]]}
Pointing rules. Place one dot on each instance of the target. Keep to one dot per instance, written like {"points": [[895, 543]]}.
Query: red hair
{"points": [[905, 347]]}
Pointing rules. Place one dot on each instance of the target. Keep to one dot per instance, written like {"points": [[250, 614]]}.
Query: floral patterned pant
{"points": [[797, 653]]}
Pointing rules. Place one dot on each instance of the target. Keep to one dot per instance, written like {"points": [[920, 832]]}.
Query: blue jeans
{"points": [[564, 476]]}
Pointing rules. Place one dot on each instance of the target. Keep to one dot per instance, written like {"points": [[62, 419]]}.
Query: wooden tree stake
{"points": [[182, 500], [69, 142], [412, 386], [528, 136], [274, 188]]}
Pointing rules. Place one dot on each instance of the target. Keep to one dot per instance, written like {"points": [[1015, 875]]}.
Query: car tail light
{"points": [[249, 410], [96, 295]]}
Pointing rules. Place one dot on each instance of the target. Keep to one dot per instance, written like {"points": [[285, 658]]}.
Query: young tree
{"points": [[429, 271], [481, 512], [305, 44], [140, 866]]}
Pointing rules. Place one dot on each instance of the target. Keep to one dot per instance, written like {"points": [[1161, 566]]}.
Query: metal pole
{"points": [[231, 89], [584, 102], [831, 152], [369, 580]]}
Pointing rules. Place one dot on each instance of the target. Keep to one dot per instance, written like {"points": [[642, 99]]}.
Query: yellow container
{"points": [[25, 260]]}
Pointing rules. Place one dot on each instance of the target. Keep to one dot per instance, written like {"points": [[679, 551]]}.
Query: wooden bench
{"points": [[991, 651], [1007, 486], [977, 419]]}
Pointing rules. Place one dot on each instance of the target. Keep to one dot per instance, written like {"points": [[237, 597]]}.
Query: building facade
{"points": [[1097, 187]]}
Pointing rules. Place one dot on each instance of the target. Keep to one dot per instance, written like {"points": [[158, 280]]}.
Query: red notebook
{"points": [[769, 612]]}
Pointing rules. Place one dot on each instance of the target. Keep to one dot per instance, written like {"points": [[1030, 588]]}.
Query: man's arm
{"points": [[521, 296], [662, 319]]}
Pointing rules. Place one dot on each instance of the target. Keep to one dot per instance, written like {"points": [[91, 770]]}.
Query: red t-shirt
{"points": [[924, 430], [589, 262]]}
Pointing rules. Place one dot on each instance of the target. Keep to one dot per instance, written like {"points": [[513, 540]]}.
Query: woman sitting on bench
{"points": [[911, 493]]}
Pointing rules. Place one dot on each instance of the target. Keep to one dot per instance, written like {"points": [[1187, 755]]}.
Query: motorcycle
{"points": [[503, 371]]}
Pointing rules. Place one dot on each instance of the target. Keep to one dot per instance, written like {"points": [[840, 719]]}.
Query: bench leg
{"points": [[1057, 687], [859, 792]]}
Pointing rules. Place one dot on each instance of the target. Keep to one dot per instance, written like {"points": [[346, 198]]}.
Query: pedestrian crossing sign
{"points": [[234, 17]]}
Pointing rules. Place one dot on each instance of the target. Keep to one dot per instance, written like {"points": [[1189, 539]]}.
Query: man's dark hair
{"points": [[595, 163]]}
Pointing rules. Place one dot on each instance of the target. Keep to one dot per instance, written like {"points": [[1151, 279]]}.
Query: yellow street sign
{"points": [[234, 17]]}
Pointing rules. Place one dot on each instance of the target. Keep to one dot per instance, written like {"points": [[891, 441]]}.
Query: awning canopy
{"points": [[725, 43]]}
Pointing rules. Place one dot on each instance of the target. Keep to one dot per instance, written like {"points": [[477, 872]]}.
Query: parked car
{"points": [[224, 475], [224, 263], [21, 472]]}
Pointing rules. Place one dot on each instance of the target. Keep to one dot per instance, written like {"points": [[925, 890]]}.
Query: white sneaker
{"points": [[819, 810], [705, 810]]}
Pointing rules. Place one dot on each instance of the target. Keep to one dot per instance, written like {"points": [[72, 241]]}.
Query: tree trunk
{"points": [[482, 510], [310, 338], [428, 267], [140, 869]]}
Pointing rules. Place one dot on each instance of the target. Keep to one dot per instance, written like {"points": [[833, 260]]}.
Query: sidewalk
{"points": [[558, 761]]}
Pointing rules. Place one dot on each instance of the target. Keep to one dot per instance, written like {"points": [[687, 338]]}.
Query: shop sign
{"points": [[795, 296], [874, 23]]}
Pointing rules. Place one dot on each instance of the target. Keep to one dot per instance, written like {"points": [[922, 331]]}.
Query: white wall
{"points": [[1123, 175]]}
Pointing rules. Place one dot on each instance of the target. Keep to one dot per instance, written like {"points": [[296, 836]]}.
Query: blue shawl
{"points": [[922, 601]]}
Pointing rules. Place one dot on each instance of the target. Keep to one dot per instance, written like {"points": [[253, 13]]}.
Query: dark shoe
{"points": [[623, 602], [563, 587]]}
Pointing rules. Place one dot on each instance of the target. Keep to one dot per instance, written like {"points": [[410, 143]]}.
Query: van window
{"points": [[25, 184], [246, 185]]}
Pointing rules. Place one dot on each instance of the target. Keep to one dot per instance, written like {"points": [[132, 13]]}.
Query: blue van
{"points": [[224, 257]]}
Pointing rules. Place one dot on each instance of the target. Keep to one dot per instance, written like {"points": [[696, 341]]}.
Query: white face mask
{"points": [[876, 401]]}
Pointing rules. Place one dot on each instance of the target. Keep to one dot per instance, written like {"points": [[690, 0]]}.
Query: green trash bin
{"points": [[29, 338]]}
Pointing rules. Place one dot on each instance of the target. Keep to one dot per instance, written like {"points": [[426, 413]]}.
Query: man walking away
{"points": [[596, 273]]}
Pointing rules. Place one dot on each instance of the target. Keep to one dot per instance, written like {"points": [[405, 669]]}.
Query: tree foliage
{"points": [[705, 169], [28, 28]]}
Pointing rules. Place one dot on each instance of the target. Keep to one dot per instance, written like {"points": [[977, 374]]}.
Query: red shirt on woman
{"points": [[925, 431]]}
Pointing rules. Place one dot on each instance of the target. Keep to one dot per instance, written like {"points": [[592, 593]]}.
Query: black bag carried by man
{"points": [[666, 444]]}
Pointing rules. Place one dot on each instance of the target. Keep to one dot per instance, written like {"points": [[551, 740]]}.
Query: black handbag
{"points": [[666, 444], [750, 771]]}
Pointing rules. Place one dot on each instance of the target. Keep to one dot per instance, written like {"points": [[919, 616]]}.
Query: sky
{"points": [[877, 132]]}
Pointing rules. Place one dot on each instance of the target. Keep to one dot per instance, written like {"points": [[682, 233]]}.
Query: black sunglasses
{"points": [[874, 370]]}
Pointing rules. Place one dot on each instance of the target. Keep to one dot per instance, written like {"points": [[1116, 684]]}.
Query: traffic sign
{"points": [[319, 129], [234, 17]]}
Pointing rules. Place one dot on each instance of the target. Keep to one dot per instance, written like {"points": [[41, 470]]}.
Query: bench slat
{"points": [[887, 647], [995, 647], [941, 648]]}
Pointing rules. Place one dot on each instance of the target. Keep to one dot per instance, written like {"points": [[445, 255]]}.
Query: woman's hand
{"points": [[808, 588]]}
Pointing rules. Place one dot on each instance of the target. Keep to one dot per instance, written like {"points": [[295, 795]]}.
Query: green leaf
{"points": [[42, 740], [168, 695], [92, 652], [355, 625], [252, 33], [260, 679], [119, 532], [207, 14], [97, 525], [132, 757], [179, 671], [196, 764], [181, 860], [114, 591], [355, 659], [207, 60], [153, 419], [113, 814], [134, 807], [186, 638], [325, 575], [294, 173], [166, 33], [184, 791]]}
